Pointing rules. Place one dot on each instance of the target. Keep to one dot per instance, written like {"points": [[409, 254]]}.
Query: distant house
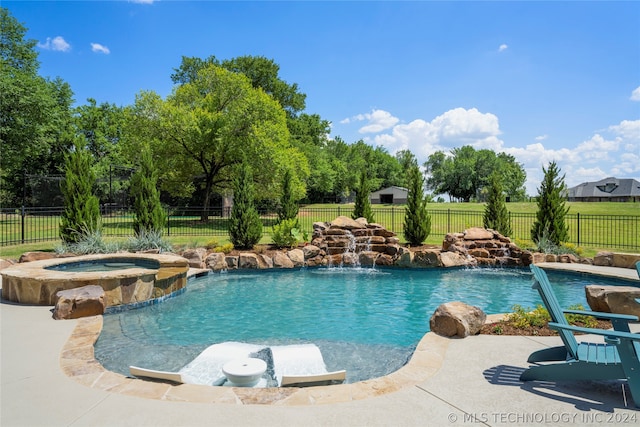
{"points": [[390, 196], [606, 190]]}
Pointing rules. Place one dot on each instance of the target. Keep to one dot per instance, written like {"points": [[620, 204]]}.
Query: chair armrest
{"points": [[601, 315], [593, 331]]}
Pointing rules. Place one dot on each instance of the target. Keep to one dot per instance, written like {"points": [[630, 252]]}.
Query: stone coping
{"points": [[33, 270], [77, 361]]}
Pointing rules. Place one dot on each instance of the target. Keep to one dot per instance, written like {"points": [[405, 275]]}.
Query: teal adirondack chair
{"points": [[616, 358], [571, 347], [620, 357], [638, 268]]}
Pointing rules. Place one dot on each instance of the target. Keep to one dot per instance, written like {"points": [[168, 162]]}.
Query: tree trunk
{"points": [[204, 217]]}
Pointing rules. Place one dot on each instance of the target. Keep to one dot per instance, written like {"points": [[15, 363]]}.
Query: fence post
{"points": [[393, 218], [22, 223], [168, 222], [448, 220], [578, 244]]}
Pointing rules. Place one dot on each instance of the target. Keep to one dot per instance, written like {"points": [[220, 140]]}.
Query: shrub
{"points": [[288, 208], [148, 213], [81, 215], [582, 319], [148, 239], [550, 216], [362, 208], [225, 249], [212, 244], [245, 227], [88, 241], [287, 234], [523, 318], [417, 221], [496, 216]]}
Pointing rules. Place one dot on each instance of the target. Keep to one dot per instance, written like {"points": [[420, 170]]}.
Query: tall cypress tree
{"points": [[81, 208], [551, 212], [362, 208], [288, 208], [417, 221], [245, 227], [149, 215], [496, 215]]}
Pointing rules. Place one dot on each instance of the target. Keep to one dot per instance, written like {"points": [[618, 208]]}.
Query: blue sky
{"points": [[542, 81]]}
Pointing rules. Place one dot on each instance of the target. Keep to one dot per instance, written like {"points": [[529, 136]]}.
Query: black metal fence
{"points": [[27, 225]]}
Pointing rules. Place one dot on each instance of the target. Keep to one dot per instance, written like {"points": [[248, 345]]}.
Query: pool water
{"points": [[109, 264], [367, 321]]}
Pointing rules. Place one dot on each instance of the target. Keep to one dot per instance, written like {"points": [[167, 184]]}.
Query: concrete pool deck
{"points": [[471, 381]]}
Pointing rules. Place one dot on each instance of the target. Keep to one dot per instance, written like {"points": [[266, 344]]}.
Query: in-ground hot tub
{"points": [[125, 278]]}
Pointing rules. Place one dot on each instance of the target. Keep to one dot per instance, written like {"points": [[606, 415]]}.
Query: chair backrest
{"points": [[542, 285], [638, 268]]}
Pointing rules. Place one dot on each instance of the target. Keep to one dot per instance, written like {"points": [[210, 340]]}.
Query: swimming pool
{"points": [[367, 321]]}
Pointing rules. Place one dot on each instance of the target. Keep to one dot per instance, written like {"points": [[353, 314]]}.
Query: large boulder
{"points": [[476, 233], [613, 299], [79, 302], [310, 251], [454, 259], [346, 223], [297, 257], [427, 258], [250, 260], [195, 257], [281, 260], [36, 256], [216, 261], [457, 319]]}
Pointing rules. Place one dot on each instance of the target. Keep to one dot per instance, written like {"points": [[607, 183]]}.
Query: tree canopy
{"points": [[464, 175], [262, 72], [212, 123], [35, 113]]}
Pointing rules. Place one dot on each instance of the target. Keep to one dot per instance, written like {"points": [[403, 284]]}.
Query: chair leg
{"points": [[548, 355]]}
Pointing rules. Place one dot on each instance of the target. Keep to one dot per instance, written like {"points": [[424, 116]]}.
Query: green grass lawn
{"points": [[587, 208], [596, 233]]}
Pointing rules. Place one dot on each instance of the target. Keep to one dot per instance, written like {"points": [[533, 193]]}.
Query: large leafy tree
{"points": [[245, 227], [417, 221], [209, 125], [81, 215], [103, 127], [35, 114], [496, 215], [262, 72], [550, 216], [407, 161], [464, 174]]}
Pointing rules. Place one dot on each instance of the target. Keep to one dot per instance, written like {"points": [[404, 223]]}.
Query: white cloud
{"points": [[57, 43], [613, 151], [635, 95], [503, 47], [627, 129], [97, 47], [379, 120], [451, 129]]}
